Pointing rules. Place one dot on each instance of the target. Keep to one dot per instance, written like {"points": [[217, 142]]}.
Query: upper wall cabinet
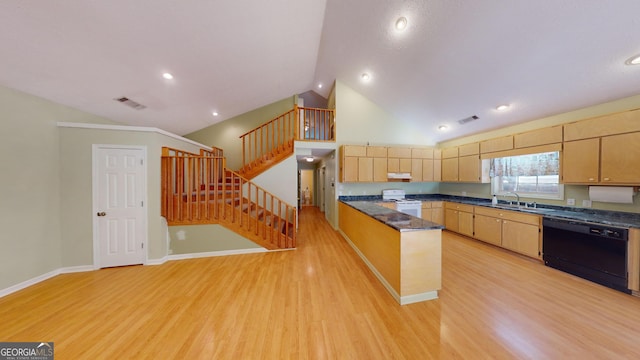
{"points": [[624, 122], [544, 136], [359, 163], [497, 144]]}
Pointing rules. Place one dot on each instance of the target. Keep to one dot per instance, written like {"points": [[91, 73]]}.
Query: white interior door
{"points": [[120, 229]]}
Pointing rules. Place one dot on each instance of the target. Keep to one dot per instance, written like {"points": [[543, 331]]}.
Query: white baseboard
{"points": [[25, 284], [83, 268]]}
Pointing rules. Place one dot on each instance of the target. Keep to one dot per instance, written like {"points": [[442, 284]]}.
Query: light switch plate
{"points": [[586, 203], [571, 201]]}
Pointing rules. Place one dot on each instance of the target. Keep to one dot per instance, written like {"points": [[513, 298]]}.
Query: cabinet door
{"points": [[450, 170], [521, 238], [451, 220], [350, 169], [427, 214], [437, 170], [416, 170], [393, 165], [465, 223], [427, 170], [380, 169], [437, 215], [469, 168], [580, 161], [405, 165], [620, 162], [488, 229], [365, 169]]}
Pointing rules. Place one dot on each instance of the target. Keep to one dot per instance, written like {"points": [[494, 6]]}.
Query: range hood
{"points": [[399, 176]]}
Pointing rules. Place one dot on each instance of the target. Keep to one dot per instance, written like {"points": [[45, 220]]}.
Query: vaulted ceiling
{"points": [[455, 58]]}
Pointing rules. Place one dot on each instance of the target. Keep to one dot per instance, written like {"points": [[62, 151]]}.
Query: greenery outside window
{"points": [[531, 175]]}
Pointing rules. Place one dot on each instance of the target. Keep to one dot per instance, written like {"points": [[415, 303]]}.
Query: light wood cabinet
{"points": [[610, 160], [450, 170], [580, 161], [459, 218], [365, 169], [611, 124], [437, 165], [620, 159], [433, 211], [521, 238], [450, 153], [469, 168], [544, 136], [428, 170], [469, 149], [488, 229], [511, 230], [497, 144], [380, 169], [349, 169]]}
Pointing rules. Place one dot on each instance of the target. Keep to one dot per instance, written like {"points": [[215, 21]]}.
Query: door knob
{"points": [[102, 213]]}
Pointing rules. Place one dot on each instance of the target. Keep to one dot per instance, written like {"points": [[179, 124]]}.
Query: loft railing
{"points": [[277, 135], [198, 189]]}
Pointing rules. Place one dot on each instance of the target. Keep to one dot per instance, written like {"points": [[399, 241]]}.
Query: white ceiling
{"points": [[456, 58]]}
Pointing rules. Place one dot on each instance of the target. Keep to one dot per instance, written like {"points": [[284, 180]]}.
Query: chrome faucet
{"points": [[517, 198]]}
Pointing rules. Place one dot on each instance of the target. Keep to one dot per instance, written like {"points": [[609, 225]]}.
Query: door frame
{"points": [[94, 192]]}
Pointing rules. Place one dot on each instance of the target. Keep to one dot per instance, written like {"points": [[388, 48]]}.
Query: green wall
{"points": [[226, 134], [30, 182]]}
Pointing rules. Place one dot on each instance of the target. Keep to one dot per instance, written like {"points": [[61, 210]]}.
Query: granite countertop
{"points": [[395, 219], [613, 218]]}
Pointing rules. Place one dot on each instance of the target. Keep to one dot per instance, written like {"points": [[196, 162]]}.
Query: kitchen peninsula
{"points": [[403, 251]]}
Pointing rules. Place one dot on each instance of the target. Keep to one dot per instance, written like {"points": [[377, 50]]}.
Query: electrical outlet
{"points": [[464, 193], [571, 202], [586, 203]]}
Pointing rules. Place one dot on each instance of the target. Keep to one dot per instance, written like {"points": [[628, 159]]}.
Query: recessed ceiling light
{"points": [[319, 86], [167, 76], [309, 159], [401, 23], [633, 61], [215, 113], [365, 77], [443, 127], [502, 107]]}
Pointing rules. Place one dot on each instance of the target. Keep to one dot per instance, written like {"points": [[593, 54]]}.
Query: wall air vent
{"points": [[466, 120], [130, 103]]}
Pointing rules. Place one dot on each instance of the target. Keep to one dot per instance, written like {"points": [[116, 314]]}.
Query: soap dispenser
{"points": [[494, 201]]}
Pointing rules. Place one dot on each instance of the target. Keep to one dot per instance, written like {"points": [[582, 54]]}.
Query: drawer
{"points": [[458, 206]]}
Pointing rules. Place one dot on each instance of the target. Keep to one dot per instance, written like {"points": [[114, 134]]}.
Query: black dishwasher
{"points": [[591, 251]]}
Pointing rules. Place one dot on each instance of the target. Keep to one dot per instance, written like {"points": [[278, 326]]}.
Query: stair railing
{"points": [[198, 189], [278, 134]]}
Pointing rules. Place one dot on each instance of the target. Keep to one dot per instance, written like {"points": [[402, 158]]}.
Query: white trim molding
{"points": [[25, 284], [130, 128]]}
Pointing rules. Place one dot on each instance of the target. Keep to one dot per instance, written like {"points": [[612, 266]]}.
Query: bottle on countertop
{"points": [[494, 200]]}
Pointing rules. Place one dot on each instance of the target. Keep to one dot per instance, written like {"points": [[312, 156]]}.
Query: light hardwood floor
{"points": [[321, 302]]}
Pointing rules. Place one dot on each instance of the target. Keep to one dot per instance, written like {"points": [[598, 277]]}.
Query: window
{"points": [[532, 175]]}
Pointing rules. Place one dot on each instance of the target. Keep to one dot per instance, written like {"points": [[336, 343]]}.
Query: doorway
{"points": [[307, 187], [119, 205]]}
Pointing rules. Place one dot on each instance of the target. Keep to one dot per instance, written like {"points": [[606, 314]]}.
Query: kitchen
{"points": [[612, 256]]}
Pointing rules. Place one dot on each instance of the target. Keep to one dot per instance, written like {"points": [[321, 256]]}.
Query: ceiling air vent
{"points": [[130, 103], [466, 120]]}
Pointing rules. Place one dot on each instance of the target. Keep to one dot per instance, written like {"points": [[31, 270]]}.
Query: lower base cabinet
{"points": [[513, 230]]}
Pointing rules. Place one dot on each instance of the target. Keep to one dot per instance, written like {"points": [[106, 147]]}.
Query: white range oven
{"points": [[407, 206]]}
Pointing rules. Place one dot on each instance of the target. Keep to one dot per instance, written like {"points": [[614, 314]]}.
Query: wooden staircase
{"points": [[199, 189], [274, 141]]}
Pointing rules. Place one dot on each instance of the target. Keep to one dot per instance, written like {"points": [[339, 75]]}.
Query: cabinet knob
{"points": [[606, 179], [591, 179], [497, 220]]}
